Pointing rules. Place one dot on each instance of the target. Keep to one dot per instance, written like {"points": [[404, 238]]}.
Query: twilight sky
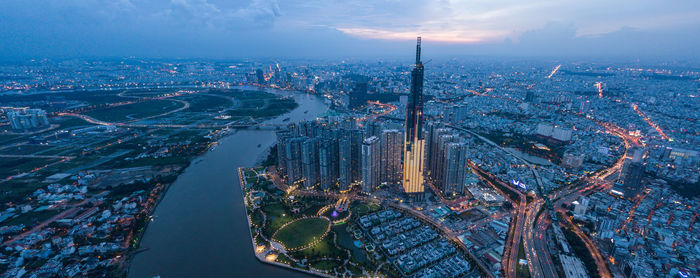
{"points": [[347, 28]]}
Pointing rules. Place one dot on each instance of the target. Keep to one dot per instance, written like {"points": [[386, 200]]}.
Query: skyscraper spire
{"points": [[418, 52]]}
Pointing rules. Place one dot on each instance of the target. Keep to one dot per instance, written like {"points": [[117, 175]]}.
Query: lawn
{"points": [[257, 103], [302, 232], [31, 218], [25, 149], [13, 166], [17, 190], [204, 103], [134, 111], [10, 138], [326, 265], [70, 122], [277, 215], [254, 108], [119, 162], [256, 218], [363, 208], [324, 249]]}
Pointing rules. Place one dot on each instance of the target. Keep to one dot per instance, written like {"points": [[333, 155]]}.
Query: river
{"points": [[200, 227]]}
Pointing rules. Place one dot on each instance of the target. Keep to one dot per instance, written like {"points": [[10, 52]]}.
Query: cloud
{"points": [[191, 14], [483, 21], [225, 28]]}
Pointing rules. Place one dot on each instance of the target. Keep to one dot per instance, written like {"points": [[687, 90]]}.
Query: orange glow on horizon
{"points": [[448, 36]]}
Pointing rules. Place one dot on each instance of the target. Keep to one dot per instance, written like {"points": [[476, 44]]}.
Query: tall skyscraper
{"points": [[633, 178], [414, 144], [431, 129], [373, 128], [327, 163], [440, 158], [345, 162], [309, 163], [391, 156], [456, 114], [370, 164], [631, 173], [283, 137], [455, 169], [358, 95], [529, 96], [433, 155], [293, 159], [356, 137], [260, 76], [581, 207]]}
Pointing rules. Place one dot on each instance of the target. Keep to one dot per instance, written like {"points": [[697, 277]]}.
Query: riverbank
{"points": [[201, 212], [260, 256], [135, 247], [211, 144]]}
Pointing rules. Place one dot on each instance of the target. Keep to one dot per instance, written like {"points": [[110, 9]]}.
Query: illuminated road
{"points": [[597, 182], [541, 265], [592, 248], [86, 118], [510, 253], [535, 243], [494, 96], [650, 122], [388, 109], [554, 71], [524, 225], [184, 106], [541, 247], [533, 257], [599, 87]]}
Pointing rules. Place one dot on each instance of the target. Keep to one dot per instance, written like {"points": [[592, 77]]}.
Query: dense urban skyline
{"points": [[208, 138]]}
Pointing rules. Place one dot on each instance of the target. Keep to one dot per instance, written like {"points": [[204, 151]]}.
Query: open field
{"points": [[30, 218], [134, 111], [25, 149], [13, 166], [69, 122], [273, 107], [206, 103], [10, 138], [257, 103], [15, 190]]}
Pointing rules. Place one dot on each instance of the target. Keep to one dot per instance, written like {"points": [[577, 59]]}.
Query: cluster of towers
{"points": [[446, 163], [333, 153], [25, 118]]}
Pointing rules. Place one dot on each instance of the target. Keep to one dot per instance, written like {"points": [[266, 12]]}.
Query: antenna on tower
{"points": [[418, 52]]}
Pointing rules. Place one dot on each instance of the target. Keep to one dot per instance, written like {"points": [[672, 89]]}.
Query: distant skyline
{"points": [[347, 29]]}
